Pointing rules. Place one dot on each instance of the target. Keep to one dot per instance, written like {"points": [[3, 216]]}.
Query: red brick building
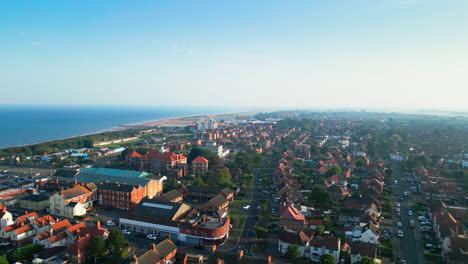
{"points": [[200, 166], [121, 196], [168, 163]]}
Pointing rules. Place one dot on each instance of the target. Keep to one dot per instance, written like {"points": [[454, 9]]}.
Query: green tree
{"points": [[292, 252], [115, 241], [336, 170], [98, 248], [3, 260], [360, 163], [325, 149], [222, 177], [327, 259], [366, 260], [194, 153], [261, 232], [320, 195], [320, 229]]}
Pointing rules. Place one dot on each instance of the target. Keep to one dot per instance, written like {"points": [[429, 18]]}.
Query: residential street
{"points": [[410, 246]]}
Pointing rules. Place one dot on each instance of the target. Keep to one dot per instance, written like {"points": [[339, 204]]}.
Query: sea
{"points": [[30, 124]]}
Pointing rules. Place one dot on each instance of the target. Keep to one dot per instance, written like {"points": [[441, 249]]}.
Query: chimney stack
{"points": [[135, 259], [153, 246], [269, 260], [213, 249], [76, 182], [218, 261], [98, 224], [168, 237], [240, 254]]}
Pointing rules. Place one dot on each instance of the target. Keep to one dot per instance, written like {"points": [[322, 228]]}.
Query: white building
{"points": [[6, 218], [370, 234]]}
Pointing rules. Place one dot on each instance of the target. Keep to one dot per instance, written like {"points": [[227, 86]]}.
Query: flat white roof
{"points": [[161, 206]]}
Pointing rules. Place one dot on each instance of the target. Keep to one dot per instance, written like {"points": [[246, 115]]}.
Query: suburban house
{"points": [[360, 250], [324, 245], [291, 218], [161, 253], [289, 237], [370, 234]]}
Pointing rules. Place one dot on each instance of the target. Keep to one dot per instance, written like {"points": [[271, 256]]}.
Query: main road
{"points": [[247, 239], [409, 247]]}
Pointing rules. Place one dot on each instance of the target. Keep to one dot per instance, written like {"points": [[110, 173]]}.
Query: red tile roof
{"points": [[23, 229], [133, 154], [166, 156], [290, 212], [58, 237], [24, 217], [200, 159]]}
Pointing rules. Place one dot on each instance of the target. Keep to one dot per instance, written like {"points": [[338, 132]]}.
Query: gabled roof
{"points": [[290, 212], [364, 249], [200, 159], [133, 154], [23, 218], [330, 243], [74, 192], [293, 237]]}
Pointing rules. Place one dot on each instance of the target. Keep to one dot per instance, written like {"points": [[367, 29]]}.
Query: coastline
{"points": [[170, 121]]}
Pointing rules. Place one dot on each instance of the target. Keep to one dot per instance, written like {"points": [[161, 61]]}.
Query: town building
{"points": [[199, 166], [178, 221], [120, 195], [34, 202], [72, 202], [167, 163], [152, 186]]}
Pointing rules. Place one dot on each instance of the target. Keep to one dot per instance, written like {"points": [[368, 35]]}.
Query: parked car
{"points": [[397, 204], [126, 232], [110, 223], [151, 236], [429, 246], [410, 213], [422, 218], [399, 224], [246, 207], [179, 243]]}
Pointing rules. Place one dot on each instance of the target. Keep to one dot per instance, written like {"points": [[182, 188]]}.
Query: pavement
{"points": [[409, 247]]}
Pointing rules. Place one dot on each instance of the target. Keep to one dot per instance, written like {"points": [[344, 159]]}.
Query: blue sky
{"points": [[308, 54]]}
